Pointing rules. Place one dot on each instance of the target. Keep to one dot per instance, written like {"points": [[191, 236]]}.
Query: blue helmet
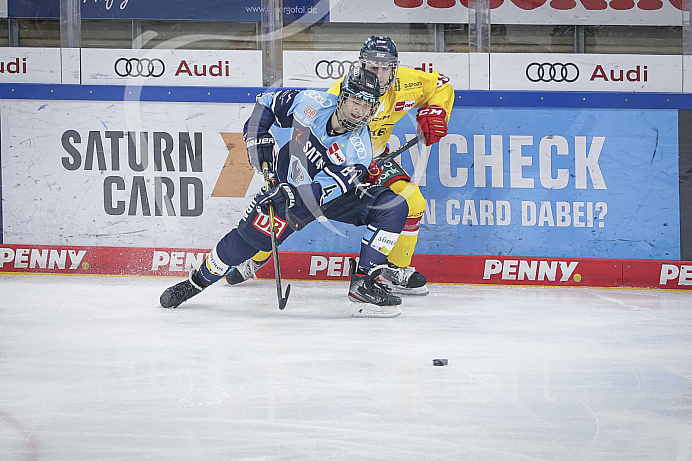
{"points": [[381, 52], [363, 85]]}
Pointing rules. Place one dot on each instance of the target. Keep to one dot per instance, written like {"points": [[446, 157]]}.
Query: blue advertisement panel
{"points": [[685, 134], [201, 10], [588, 183]]}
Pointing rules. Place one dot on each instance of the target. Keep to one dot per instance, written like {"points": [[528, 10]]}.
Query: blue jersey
{"points": [[331, 164]]}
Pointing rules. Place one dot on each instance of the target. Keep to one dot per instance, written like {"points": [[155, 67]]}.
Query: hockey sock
{"points": [[386, 219], [212, 269], [262, 256], [230, 251], [405, 246]]}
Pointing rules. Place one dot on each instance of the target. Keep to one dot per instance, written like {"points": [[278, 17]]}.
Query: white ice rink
{"points": [[91, 369]]}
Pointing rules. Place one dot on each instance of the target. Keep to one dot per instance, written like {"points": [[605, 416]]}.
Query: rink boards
{"points": [[525, 185], [334, 266]]}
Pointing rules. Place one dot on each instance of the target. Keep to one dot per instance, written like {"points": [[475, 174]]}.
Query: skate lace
{"points": [[248, 268], [378, 288], [399, 275]]}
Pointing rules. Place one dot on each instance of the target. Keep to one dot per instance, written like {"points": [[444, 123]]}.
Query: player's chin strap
{"points": [[275, 247], [297, 223]]}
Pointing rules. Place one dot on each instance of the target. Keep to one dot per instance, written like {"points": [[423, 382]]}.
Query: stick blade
{"points": [[284, 300]]}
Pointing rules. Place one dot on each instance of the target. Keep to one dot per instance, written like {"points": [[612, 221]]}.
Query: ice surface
{"points": [[91, 369]]}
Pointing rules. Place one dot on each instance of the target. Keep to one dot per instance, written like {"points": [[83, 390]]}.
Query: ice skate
{"points": [[365, 289], [404, 280], [364, 310], [244, 271], [180, 292]]}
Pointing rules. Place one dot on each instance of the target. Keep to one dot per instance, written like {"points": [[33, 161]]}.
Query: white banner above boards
{"points": [[687, 74], [30, 65], [545, 12], [319, 69], [158, 67], [585, 72]]}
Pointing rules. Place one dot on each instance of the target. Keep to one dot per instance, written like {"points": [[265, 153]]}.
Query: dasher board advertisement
{"points": [[30, 65], [123, 173], [320, 69], [202, 10], [588, 183], [161, 67], [586, 72], [557, 12]]}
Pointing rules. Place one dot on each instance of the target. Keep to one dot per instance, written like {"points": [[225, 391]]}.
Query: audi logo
{"points": [[332, 69], [358, 145], [319, 99], [139, 67], [552, 72]]}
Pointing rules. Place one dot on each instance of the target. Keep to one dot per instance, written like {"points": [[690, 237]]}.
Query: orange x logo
{"points": [[236, 174]]}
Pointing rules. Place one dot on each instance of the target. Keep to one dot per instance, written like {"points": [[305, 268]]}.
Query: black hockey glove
{"points": [[260, 149], [283, 193]]}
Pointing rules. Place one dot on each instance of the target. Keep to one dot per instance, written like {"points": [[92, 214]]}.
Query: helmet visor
{"points": [[381, 57]]}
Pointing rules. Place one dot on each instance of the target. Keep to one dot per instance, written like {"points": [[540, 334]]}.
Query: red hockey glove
{"points": [[374, 173], [432, 123]]}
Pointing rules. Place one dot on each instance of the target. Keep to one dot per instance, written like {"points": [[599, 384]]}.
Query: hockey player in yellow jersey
{"points": [[402, 90]]}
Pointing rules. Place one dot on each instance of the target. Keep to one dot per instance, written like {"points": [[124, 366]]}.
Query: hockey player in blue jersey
{"points": [[326, 158]]}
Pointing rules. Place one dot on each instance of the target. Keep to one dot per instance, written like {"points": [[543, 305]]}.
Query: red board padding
{"points": [[334, 266], [657, 274]]}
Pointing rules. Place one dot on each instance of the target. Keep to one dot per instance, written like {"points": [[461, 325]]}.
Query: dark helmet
{"points": [[381, 51], [363, 85]]}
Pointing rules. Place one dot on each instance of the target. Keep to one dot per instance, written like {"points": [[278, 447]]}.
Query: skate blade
{"points": [[371, 311], [399, 291]]}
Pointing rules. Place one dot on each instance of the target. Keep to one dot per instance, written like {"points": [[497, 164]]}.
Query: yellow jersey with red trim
{"points": [[412, 88]]}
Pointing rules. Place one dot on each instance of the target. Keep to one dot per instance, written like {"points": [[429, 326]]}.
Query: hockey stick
{"points": [[297, 223], [275, 247], [396, 152]]}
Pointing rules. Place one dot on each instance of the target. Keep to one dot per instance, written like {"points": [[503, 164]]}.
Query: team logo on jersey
{"points": [[442, 80], [296, 172], [299, 133], [336, 155], [404, 105], [263, 224], [310, 112]]}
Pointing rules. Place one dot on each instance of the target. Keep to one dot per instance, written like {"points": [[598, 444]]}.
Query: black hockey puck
{"points": [[439, 362]]}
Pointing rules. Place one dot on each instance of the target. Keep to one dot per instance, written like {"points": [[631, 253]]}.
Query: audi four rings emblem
{"points": [[139, 67], [552, 72], [332, 69]]}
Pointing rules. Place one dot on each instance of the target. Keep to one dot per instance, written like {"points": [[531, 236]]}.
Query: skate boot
{"points": [[181, 292], [404, 280], [365, 289], [244, 271]]}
